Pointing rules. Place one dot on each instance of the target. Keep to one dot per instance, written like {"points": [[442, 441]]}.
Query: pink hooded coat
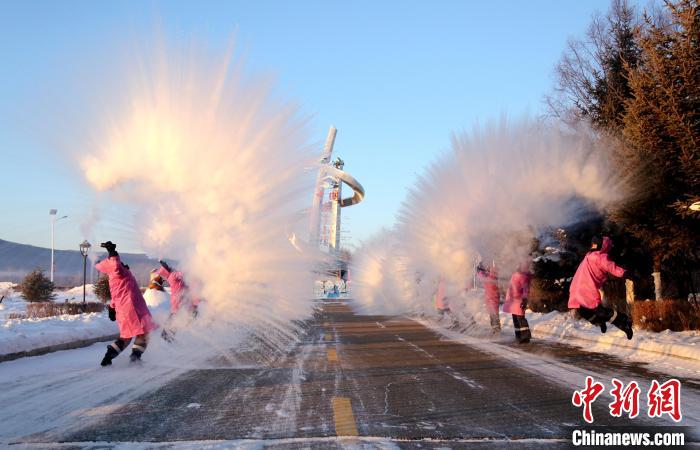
{"points": [[133, 316], [518, 289], [440, 299], [591, 275], [178, 289], [492, 294]]}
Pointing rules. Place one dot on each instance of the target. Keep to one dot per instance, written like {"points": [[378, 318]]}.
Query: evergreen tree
{"points": [[102, 288], [592, 74], [662, 136], [36, 287]]}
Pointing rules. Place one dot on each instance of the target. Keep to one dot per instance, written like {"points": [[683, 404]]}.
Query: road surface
{"points": [[378, 382]]}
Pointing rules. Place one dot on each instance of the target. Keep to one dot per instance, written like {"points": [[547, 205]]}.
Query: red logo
{"points": [[661, 399], [626, 399], [665, 399], [587, 396]]}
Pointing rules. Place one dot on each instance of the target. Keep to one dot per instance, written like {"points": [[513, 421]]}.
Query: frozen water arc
{"points": [[217, 171], [484, 199]]}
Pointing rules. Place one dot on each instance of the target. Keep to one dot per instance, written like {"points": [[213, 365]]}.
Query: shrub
{"points": [[548, 295], [49, 309], [16, 316], [102, 288], [674, 315], [36, 287]]}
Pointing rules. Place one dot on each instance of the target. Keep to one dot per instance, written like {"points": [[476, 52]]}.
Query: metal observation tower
{"points": [[328, 201]]}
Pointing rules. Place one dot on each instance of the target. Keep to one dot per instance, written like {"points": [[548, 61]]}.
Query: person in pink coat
{"points": [[441, 304], [179, 291], [516, 301], [180, 294], [127, 307], [492, 294], [584, 292]]}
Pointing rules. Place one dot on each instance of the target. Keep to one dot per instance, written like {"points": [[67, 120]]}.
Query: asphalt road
{"points": [[368, 376]]}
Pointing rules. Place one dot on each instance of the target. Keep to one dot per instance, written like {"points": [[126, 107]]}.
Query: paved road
{"points": [[384, 377]]}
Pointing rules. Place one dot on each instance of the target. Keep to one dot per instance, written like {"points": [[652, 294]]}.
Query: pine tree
{"points": [[36, 287], [662, 136], [592, 74], [102, 288]]}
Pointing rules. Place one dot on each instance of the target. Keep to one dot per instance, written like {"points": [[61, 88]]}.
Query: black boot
{"points": [[603, 327], [109, 356], [136, 352], [522, 329], [166, 335], [624, 322]]}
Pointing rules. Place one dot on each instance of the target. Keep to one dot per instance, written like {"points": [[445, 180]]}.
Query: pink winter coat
{"points": [[440, 299], [518, 289], [133, 316], [178, 289], [492, 294], [591, 275]]}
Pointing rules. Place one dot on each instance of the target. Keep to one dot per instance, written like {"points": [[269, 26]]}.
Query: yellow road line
{"points": [[327, 337], [332, 355], [343, 417]]}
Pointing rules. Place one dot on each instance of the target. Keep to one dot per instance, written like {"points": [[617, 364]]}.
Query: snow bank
{"points": [[563, 327], [11, 304], [75, 295], [14, 303], [19, 335], [669, 351]]}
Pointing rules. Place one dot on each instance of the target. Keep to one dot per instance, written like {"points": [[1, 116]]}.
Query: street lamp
{"points": [[84, 249], [695, 207], [52, 213]]}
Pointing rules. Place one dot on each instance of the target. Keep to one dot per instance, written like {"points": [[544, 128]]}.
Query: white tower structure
{"points": [[325, 223]]}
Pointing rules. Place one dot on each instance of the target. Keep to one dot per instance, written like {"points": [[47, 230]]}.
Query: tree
{"points": [[592, 74], [662, 135], [637, 81], [102, 288], [36, 287]]}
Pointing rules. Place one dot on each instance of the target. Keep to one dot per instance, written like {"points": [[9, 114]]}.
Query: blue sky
{"points": [[395, 78]]}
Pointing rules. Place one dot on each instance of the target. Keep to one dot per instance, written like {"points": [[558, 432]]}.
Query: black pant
{"points": [[601, 315], [522, 329], [139, 346]]}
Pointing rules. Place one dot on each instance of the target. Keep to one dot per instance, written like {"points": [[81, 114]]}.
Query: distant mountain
{"points": [[16, 260]]}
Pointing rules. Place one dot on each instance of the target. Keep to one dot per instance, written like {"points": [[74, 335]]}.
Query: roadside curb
{"points": [[688, 352], [57, 347]]}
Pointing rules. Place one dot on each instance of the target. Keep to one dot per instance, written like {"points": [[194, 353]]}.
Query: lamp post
{"points": [[84, 249], [52, 213]]}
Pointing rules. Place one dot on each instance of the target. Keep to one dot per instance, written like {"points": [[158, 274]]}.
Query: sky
{"points": [[395, 77]]}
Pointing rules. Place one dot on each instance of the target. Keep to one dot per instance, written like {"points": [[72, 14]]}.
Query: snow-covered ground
{"points": [[51, 395], [18, 335], [13, 303], [55, 392], [676, 353], [645, 346]]}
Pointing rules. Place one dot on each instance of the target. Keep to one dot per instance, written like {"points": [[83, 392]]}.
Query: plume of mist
{"points": [[217, 172], [485, 200]]}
